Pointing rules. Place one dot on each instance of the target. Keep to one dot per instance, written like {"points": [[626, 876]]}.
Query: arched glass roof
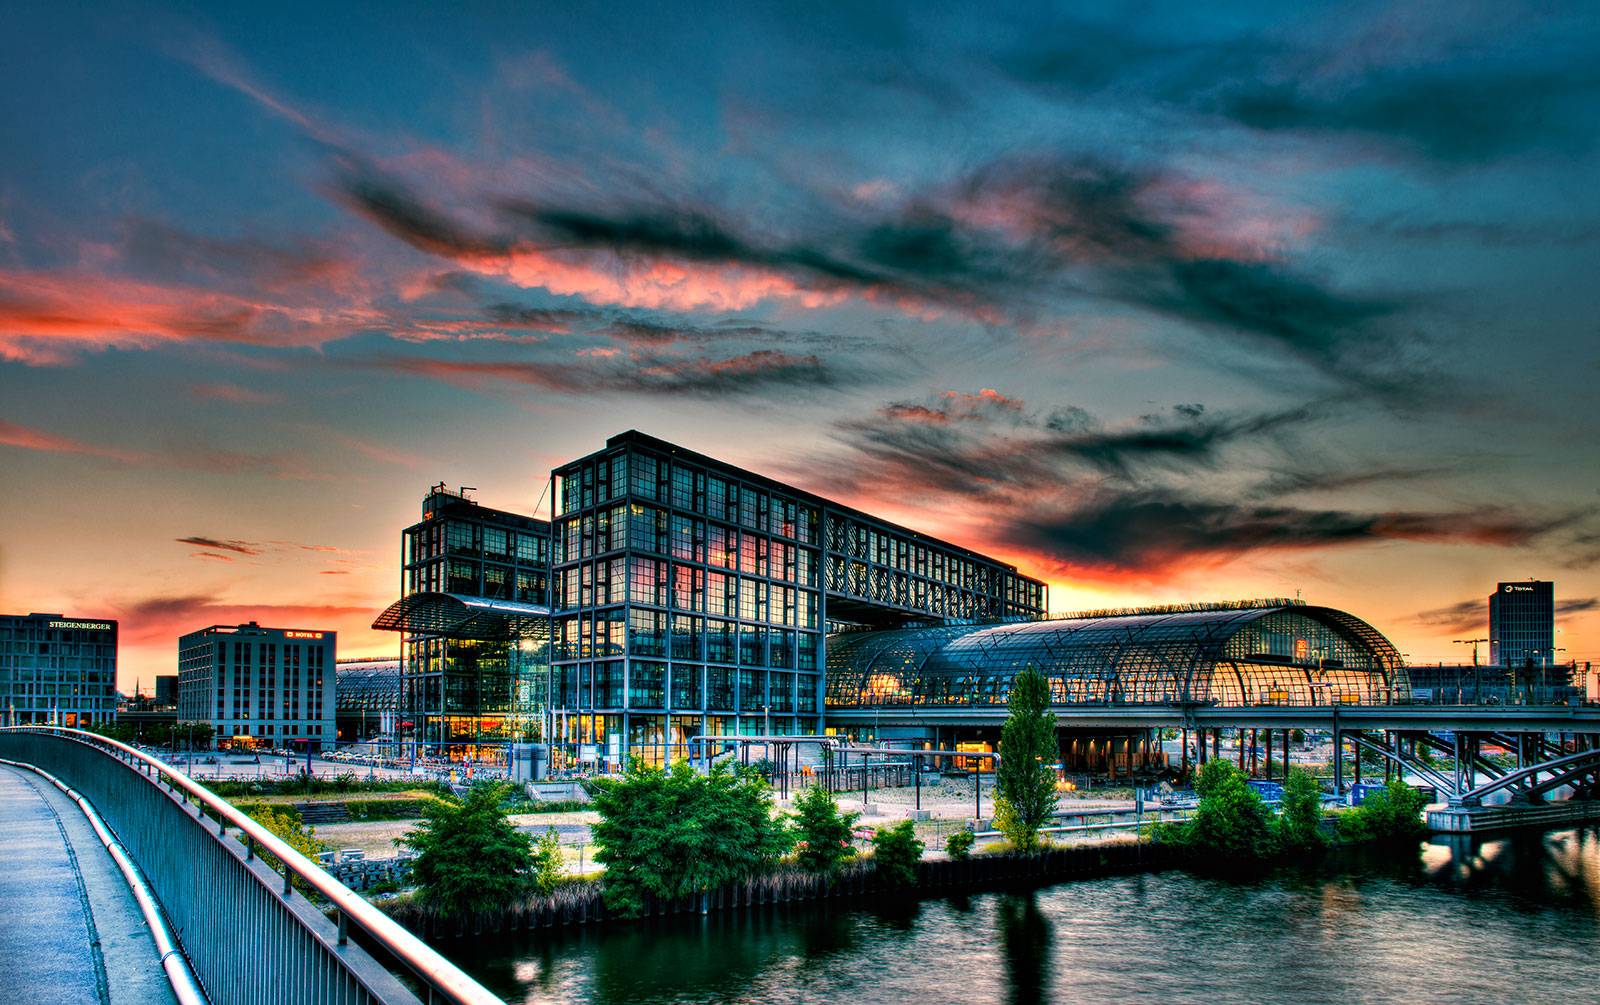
{"points": [[1286, 654], [370, 685]]}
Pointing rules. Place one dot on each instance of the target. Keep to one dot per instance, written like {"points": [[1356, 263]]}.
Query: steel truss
{"points": [[1528, 783]]}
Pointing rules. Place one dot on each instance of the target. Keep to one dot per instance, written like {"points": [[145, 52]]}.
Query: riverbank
{"points": [[580, 902]]}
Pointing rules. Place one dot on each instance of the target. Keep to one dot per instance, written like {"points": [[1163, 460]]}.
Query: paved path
{"points": [[70, 930]]}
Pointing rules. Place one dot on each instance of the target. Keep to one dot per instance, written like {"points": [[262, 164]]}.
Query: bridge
{"points": [[103, 840], [1555, 747]]}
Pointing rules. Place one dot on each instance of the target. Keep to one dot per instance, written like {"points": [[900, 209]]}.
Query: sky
{"points": [[1161, 302]]}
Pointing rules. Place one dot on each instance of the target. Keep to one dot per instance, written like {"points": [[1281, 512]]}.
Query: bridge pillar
{"points": [[1338, 762]]}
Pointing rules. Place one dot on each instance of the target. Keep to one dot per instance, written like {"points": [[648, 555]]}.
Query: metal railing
{"points": [[249, 936]]}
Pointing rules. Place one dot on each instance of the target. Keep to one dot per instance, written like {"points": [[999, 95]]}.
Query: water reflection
{"points": [[1025, 936], [1510, 919]]}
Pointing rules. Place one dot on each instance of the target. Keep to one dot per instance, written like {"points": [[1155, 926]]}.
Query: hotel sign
{"points": [[302, 635], [88, 626]]}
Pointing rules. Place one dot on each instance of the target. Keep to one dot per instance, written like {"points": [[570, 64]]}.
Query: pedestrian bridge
{"points": [[223, 925]]}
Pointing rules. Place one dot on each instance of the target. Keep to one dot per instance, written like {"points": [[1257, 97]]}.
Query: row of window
{"points": [[31, 672], [642, 632], [650, 685], [478, 579], [462, 537], [685, 487], [686, 588]]}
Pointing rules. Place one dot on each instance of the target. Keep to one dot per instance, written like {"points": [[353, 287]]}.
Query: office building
{"points": [[474, 616], [687, 596], [256, 686], [1522, 624], [57, 671], [693, 597]]}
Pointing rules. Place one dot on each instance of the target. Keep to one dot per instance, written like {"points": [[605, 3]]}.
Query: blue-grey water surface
{"points": [[1512, 920]]}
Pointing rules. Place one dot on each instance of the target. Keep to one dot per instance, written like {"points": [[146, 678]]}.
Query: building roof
{"points": [[1247, 654]]}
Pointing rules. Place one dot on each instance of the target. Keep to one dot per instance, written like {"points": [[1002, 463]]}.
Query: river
{"points": [[1510, 920]]}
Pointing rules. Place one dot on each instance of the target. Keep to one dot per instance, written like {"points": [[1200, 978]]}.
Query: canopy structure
{"points": [[1232, 655], [453, 616]]}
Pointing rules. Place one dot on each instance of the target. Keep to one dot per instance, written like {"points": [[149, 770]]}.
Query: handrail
{"points": [[433, 969], [180, 975]]}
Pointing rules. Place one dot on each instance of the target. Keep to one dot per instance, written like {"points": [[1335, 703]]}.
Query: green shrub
{"points": [[673, 832], [1391, 814], [823, 832], [1231, 825], [470, 858], [284, 823], [959, 845], [896, 851]]}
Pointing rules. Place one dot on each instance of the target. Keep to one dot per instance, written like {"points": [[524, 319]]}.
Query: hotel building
{"points": [[259, 686], [57, 671]]}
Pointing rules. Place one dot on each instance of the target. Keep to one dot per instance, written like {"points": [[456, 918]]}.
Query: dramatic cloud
{"points": [[45, 316], [1084, 499], [1152, 531], [1016, 238]]}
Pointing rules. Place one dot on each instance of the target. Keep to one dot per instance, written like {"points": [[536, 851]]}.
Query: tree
{"points": [[470, 857], [674, 832], [896, 851], [1231, 824], [1302, 813], [823, 832], [1392, 813], [549, 864], [1025, 782]]}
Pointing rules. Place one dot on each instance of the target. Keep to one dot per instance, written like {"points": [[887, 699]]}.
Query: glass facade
{"points": [[1288, 654], [1522, 624], [57, 671], [474, 685], [692, 596]]}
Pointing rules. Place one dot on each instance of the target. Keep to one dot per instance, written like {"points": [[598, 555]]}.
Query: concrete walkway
{"points": [[70, 930]]}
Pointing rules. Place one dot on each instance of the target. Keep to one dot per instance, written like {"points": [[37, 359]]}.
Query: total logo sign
{"points": [[1514, 588]]}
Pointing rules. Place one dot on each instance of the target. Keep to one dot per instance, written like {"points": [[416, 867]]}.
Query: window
{"points": [[647, 685]]}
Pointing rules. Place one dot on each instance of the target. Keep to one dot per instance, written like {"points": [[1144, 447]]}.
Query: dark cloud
{"points": [[1448, 114], [764, 370], [1151, 530], [1577, 605], [395, 207], [1453, 105], [1462, 618], [240, 547]]}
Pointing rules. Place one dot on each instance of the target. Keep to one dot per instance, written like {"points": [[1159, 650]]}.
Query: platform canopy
{"points": [[453, 616]]}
